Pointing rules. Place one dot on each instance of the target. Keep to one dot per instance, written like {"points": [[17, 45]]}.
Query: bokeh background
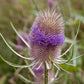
{"points": [[22, 14]]}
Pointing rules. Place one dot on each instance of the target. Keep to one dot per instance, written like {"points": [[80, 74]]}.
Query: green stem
{"points": [[69, 6], [45, 74]]}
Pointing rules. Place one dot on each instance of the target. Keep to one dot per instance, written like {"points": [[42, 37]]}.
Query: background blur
{"points": [[22, 13]]}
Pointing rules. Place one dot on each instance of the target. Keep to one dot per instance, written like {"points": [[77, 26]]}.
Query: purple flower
{"points": [[45, 39], [46, 36], [40, 38]]}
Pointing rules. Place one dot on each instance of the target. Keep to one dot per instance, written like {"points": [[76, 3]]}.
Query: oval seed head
{"points": [[46, 36]]}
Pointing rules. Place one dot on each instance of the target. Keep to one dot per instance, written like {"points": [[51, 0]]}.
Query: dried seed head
{"points": [[47, 36]]}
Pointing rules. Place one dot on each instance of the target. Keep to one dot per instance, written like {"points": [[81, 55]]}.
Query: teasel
{"points": [[46, 36], [45, 41]]}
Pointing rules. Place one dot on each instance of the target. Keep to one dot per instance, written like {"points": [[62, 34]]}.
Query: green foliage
{"points": [[68, 68]]}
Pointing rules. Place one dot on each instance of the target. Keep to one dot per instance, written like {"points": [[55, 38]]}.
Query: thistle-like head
{"points": [[46, 35]]}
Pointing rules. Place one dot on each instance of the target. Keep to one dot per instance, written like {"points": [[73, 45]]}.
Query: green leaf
{"points": [[69, 68]]}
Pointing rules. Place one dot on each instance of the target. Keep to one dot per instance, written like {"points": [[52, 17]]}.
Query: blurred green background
{"points": [[22, 13]]}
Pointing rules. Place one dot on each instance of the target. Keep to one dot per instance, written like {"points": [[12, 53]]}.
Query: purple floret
{"points": [[40, 38]]}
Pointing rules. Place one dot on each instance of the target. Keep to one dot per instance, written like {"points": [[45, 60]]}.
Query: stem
{"points": [[45, 74], [69, 6]]}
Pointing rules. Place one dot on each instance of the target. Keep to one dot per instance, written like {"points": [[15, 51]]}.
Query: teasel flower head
{"points": [[44, 42], [46, 36]]}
